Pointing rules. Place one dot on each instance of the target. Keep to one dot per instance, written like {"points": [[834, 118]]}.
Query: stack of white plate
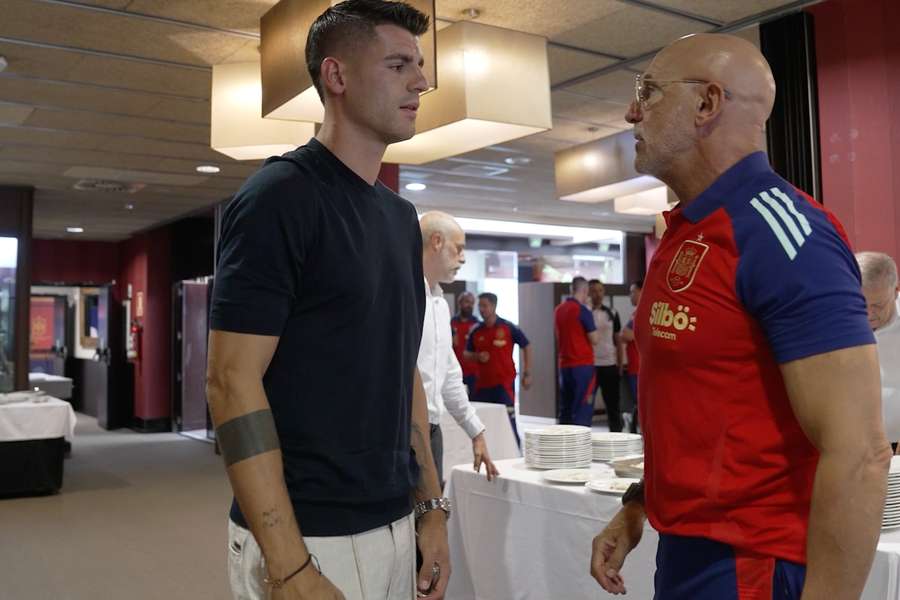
{"points": [[558, 447], [891, 516], [610, 445]]}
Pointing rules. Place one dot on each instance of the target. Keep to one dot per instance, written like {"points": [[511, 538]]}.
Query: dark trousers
{"points": [[633, 386], [437, 451], [469, 381], [500, 395], [702, 569], [608, 385], [576, 395]]}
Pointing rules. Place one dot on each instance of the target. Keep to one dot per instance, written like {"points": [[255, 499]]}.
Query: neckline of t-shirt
{"points": [[331, 157]]}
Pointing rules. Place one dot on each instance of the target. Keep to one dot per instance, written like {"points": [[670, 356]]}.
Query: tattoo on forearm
{"points": [[271, 518], [247, 436]]}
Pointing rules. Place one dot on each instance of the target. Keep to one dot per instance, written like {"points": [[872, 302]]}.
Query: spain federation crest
{"points": [[685, 264]]}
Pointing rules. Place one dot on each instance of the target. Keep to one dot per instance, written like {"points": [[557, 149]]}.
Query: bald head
{"points": [[443, 247], [731, 61], [705, 100]]}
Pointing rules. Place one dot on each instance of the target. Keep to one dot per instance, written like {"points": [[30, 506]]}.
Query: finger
{"points": [[477, 463]]}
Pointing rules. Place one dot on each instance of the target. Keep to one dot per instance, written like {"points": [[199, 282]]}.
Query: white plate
{"points": [[616, 485], [615, 436], [581, 476]]}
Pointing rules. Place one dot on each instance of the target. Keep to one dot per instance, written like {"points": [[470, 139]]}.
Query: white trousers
{"points": [[374, 565]]}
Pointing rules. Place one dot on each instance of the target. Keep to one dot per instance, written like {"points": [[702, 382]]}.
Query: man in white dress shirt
{"points": [[443, 253], [880, 287]]}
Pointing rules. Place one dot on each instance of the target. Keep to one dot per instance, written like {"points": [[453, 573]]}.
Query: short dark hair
{"points": [[352, 21], [492, 298], [578, 283], [595, 282]]}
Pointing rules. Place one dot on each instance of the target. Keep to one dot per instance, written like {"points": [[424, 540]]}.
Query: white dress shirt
{"points": [[440, 371], [888, 339], [605, 350]]}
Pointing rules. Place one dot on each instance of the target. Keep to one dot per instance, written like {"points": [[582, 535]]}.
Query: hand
{"points": [[480, 451], [483, 357], [613, 544], [432, 541], [526, 381], [308, 585]]}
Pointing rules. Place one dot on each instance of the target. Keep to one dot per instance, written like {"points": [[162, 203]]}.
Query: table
{"points": [[501, 441], [32, 445], [53, 385], [520, 538]]}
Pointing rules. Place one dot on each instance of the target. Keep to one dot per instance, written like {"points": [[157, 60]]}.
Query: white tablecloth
{"points": [[501, 442], [54, 385], [521, 538], [52, 418]]}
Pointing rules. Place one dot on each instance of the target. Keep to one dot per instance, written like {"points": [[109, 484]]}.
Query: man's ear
{"points": [[332, 76], [709, 104]]}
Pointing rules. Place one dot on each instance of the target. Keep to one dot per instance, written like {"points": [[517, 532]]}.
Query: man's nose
{"points": [[634, 114]]}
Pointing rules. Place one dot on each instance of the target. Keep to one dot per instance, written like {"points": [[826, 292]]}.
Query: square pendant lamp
{"points": [[237, 128], [288, 91], [603, 169], [495, 87]]}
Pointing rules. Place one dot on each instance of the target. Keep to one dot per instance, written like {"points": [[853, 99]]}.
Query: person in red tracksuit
{"points": [[461, 325], [491, 344]]}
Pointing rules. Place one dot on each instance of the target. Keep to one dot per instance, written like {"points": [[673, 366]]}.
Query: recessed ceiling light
{"points": [[129, 206], [75, 229], [416, 187], [211, 169], [3, 63], [517, 160]]}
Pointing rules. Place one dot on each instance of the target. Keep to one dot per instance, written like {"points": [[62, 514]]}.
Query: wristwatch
{"points": [[634, 493], [427, 506]]}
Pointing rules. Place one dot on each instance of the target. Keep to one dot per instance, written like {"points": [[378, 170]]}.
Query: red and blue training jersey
{"points": [[573, 321], [750, 275], [498, 341], [461, 328]]}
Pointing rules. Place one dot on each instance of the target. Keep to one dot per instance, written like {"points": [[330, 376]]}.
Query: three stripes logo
{"points": [[790, 227]]}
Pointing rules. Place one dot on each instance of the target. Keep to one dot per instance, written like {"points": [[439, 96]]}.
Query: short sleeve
{"points": [[518, 336], [260, 254], [586, 317], [798, 277]]}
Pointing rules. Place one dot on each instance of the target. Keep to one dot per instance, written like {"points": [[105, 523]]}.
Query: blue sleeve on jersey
{"points": [[796, 275], [470, 346], [587, 319], [518, 337]]}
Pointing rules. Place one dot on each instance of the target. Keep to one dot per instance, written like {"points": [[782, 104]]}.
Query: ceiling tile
{"points": [[587, 109], [37, 62], [566, 64], [64, 157], [617, 87], [548, 19], [14, 114], [159, 148], [189, 111], [119, 125], [577, 132], [142, 76], [32, 91], [617, 33], [242, 15], [724, 11], [50, 139], [80, 28]]}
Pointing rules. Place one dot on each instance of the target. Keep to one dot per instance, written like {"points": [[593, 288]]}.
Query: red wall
{"points": [[63, 261], [144, 262], [858, 61], [145, 265]]}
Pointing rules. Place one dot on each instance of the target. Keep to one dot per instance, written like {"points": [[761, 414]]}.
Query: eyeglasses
{"points": [[643, 89]]}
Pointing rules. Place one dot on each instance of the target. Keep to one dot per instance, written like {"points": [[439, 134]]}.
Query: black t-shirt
{"points": [[313, 254]]}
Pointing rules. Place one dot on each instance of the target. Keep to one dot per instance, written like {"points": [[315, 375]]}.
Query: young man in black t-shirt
{"points": [[316, 320]]}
